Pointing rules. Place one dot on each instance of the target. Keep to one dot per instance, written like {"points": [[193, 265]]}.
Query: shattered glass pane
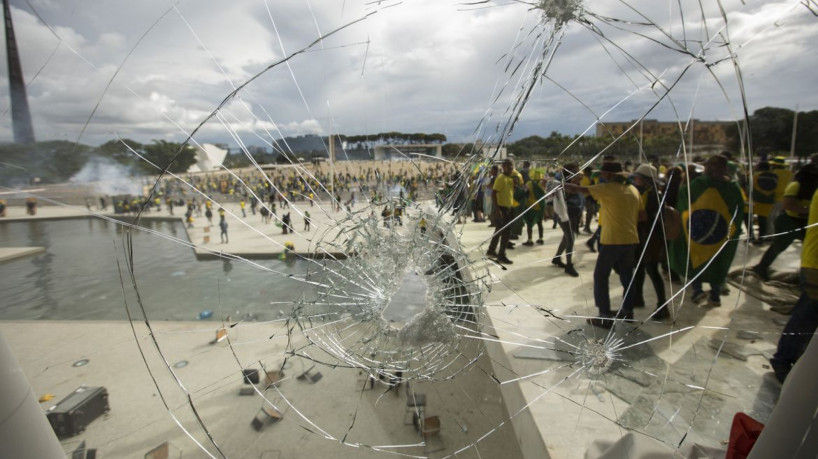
{"points": [[372, 318]]}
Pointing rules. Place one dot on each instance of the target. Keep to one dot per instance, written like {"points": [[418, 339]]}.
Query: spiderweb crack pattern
{"points": [[457, 334]]}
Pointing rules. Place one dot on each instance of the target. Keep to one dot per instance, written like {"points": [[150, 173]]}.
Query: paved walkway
{"points": [[673, 379]]}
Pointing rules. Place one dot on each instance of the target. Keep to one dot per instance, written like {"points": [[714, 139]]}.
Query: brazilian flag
{"points": [[764, 185], [710, 220]]}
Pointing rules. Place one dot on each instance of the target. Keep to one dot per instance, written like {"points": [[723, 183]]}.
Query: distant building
{"points": [[704, 132], [385, 152], [488, 150]]}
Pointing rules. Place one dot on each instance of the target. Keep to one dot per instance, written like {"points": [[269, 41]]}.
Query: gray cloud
{"points": [[421, 66]]}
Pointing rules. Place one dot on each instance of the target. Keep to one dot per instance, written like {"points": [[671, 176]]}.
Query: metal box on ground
{"points": [[72, 414]]}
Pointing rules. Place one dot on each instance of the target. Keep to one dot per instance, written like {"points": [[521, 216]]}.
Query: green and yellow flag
{"points": [[711, 222], [764, 185]]}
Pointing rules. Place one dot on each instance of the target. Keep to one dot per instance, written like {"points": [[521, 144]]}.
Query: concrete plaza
{"points": [[525, 397]]}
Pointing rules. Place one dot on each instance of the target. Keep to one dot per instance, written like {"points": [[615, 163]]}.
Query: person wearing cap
{"points": [[789, 225], [804, 319], [503, 209], [594, 239], [620, 206], [712, 210], [651, 241]]}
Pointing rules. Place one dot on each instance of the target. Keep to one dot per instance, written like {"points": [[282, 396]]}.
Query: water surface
{"points": [[78, 276]]}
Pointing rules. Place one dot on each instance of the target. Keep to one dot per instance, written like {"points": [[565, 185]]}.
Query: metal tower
{"points": [[20, 116]]}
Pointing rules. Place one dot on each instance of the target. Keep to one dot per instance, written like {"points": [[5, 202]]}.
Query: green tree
{"points": [[771, 131], [52, 161], [239, 160], [121, 151], [450, 150], [171, 156], [806, 138], [436, 138], [771, 128]]}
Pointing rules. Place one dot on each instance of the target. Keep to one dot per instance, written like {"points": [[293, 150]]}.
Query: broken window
{"points": [[384, 328]]}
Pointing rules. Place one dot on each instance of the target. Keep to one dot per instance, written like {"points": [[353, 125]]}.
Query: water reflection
{"points": [[77, 276]]}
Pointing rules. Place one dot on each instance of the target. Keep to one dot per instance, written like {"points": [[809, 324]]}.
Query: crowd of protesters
{"points": [[271, 193], [683, 219], [686, 220], [706, 203]]}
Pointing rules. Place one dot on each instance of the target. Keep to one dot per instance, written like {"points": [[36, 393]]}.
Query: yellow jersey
{"points": [[809, 251], [792, 192], [619, 209], [784, 178], [504, 187]]}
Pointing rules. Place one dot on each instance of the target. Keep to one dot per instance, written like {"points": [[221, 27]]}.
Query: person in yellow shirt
{"points": [[765, 184], [502, 198], [621, 210], [779, 166], [789, 225], [804, 319]]}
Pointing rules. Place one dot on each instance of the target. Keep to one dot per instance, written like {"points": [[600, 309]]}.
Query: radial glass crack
{"points": [[380, 303]]}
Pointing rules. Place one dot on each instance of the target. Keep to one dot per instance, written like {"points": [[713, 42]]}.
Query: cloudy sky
{"points": [[153, 69]]}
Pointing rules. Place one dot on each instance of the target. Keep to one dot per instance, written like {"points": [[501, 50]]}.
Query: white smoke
{"points": [[108, 177]]}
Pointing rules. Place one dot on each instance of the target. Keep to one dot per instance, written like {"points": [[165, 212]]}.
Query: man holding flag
{"points": [[712, 210]]}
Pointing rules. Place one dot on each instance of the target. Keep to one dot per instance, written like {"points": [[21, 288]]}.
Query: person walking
{"points": [[620, 207], [568, 212], [789, 224], [223, 228], [535, 206], [285, 224], [651, 247], [804, 319], [590, 204], [765, 182], [503, 210], [712, 210]]}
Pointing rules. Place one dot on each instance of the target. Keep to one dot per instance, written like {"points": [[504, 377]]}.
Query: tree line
{"points": [[57, 161], [770, 129]]}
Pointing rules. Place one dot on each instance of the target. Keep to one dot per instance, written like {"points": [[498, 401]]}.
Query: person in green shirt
{"points": [[712, 210]]}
